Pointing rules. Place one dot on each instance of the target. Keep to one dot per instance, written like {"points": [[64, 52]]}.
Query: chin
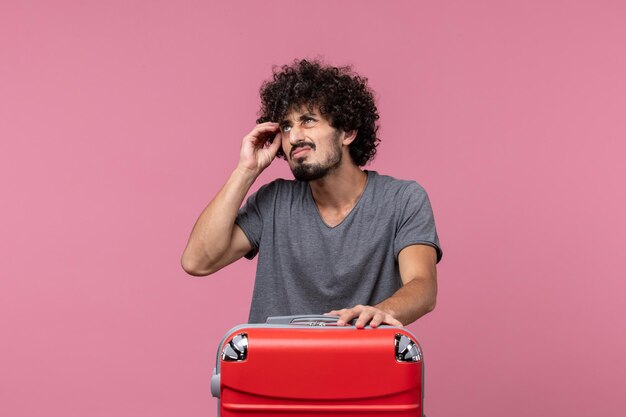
{"points": [[307, 172]]}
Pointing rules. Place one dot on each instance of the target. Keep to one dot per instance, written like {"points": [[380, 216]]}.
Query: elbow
{"points": [[427, 305], [431, 305], [194, 268], [424, 308], [431, 299], [431, 302]]}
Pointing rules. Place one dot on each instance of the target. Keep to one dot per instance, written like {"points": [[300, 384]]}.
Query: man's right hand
{"points": [[257, 153], [215, 240]]}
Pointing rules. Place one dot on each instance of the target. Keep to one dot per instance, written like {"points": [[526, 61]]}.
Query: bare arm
{"points": [[216, 241], [417, 297]]}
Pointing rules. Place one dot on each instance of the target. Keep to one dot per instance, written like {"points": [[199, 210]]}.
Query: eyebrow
{"points": [[308, 115], [304, 116]]}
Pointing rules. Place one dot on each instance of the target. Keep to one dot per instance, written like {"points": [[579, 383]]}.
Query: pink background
{"points": [[119, 120]]}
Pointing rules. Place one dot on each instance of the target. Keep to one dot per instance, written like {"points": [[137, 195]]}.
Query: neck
{"points": [[340, 188]]}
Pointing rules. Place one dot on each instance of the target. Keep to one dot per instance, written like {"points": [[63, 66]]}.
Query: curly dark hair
{"points": [[341, 96]]}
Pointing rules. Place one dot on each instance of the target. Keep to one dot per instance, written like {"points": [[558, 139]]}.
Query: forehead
{"points": [[297, 112]]}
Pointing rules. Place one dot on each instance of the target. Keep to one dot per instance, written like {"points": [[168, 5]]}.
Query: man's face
{"points": [[311, 145]]}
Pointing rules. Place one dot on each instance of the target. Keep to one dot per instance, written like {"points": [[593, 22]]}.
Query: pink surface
{"points": [[119, 120]]}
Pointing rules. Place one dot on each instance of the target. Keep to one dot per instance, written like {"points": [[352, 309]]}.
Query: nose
{"points": [[296, 134]]}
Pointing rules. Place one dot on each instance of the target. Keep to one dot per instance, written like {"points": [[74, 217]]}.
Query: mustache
{"points": [[301, 145]]}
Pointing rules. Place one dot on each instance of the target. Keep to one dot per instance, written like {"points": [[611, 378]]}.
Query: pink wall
{"points": [[120, 119]]}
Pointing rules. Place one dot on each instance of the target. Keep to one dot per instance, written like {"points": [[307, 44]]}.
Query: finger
{"points": [[395, 322], [335, 313], [364, 318], [378, 318], [264, 124], [345, 316], [391, 321], [263, 128], [261, 133]]}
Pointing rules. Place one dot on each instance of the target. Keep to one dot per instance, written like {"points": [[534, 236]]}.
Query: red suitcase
{"points": [[307, 365]]}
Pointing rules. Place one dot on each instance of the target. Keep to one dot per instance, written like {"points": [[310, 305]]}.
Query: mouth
{"points": [[301, 149], [300, 152]]}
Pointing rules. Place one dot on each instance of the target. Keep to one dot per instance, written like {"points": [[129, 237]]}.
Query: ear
{"points": [[349, 136]]}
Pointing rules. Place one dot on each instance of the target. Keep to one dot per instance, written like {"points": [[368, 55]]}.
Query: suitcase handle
{"points": [[306, 319]]}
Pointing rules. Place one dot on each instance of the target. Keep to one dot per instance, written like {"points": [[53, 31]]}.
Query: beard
{"points": [[303, 171]]}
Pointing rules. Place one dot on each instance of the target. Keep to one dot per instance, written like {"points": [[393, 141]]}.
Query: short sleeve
{"points": [[416, 223], [250, 217]]}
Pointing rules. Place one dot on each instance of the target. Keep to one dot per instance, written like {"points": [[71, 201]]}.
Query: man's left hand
{"points": [[365, 314]]}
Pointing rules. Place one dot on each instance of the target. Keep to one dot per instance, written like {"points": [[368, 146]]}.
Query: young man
{"points": [[337, 239]]}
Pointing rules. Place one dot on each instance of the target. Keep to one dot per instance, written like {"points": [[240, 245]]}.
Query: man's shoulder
{"points": [[393, 187], [281, 187]]}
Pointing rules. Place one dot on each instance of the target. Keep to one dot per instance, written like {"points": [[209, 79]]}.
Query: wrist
{"points": [[246, 174]]}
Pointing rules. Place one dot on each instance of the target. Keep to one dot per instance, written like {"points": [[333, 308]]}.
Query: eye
{"points": [[285, 128], [309, 121]]}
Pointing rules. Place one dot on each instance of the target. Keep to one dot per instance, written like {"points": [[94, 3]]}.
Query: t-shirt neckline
{"points": [[368, 181]]}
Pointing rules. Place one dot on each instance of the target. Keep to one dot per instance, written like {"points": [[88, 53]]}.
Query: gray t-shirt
{"points": [[307, 267]]}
